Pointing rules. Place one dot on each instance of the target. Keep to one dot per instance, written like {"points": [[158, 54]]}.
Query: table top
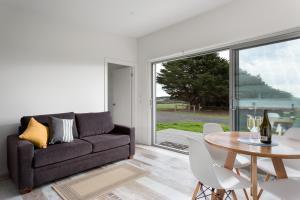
{"points": [[286, 148]]}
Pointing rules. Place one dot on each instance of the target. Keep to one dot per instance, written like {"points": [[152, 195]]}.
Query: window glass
{"points": [[268, 77]]}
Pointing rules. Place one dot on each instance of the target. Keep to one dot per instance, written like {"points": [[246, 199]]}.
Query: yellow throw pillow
{"points": [[36, 133]]}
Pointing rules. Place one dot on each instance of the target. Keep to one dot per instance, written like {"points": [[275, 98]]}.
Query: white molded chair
{"points": [[212, 128], [220, 155], [210, 175], [284, 189], [292, 133], [292, 166], [273, 117]]}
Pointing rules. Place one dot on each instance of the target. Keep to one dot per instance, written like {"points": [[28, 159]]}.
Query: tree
{"points": [[204, 80], [199, 80]]}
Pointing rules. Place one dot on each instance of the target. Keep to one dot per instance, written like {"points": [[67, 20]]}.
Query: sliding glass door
{"points": [[187, 93], [232, 90], [267, 77]]}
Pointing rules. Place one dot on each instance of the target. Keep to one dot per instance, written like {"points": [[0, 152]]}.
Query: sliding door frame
{"points": [[153, 94], [153, 112], [233, 70]]}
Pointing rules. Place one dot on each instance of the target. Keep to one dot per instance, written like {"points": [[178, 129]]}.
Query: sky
{"points": [[159, 91], [277, 64]]}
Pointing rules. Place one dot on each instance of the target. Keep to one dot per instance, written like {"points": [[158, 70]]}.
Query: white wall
{"points": [[237, 21], [49, 67]]}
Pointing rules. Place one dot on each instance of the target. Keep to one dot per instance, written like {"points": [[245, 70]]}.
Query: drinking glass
{"points": [[250, 122], [258, 121]]}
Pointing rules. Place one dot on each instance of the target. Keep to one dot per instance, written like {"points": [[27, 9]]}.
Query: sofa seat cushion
{"points": [[60, 152], [107, 141]]}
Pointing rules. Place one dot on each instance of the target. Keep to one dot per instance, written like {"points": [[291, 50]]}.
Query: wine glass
{"points": [[250, 122], [251, 125], [258, 121]]}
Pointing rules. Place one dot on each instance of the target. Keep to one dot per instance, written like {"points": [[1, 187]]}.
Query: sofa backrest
{"points": [[44, 119], [89, 124]]}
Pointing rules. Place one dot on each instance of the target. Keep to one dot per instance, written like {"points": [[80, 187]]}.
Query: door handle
{"points": [[114, 104]]}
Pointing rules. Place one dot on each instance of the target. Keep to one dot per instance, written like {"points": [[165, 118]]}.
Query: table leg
{"points": [[254, 177], [279, 168], [229, 163]]}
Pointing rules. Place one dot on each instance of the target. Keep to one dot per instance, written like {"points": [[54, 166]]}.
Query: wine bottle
{"points": [[266, 129]]}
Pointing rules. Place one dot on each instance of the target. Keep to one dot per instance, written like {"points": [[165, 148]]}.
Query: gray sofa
{"points": [[97, 141]]}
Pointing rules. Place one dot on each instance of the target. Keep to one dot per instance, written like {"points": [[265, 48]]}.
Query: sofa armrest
{"points": [[119, 129], [19, 162]]}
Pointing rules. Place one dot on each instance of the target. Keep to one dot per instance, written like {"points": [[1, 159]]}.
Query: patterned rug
{"points": [[99, 183]]}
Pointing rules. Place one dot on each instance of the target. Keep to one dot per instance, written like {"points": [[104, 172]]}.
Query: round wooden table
{"points": [[286, 149]]}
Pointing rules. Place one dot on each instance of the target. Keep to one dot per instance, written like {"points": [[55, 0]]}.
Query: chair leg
{"points": [[244, 190], [234, 195], [261, 190], [214, 195], [196, 191]]}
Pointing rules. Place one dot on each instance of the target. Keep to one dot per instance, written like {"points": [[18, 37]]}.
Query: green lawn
{"points": [[186, 126]]}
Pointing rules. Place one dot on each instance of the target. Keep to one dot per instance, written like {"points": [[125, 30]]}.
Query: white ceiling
{"points": [[133, 18]]}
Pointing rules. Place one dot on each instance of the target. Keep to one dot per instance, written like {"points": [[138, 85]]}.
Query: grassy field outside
{"points": [[170, 106], [185, 126]]}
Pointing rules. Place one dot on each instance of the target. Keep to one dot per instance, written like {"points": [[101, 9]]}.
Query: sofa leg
{"points": [[130, 157], [25, 190]]}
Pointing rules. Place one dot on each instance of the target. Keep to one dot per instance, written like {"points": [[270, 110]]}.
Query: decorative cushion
{"points": [[44, 119], [36, 133], [107, 141], [94, 123], [61, 152], [60, 130]]}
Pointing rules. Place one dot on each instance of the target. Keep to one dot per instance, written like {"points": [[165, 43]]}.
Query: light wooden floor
{"points": [[169, 179]]}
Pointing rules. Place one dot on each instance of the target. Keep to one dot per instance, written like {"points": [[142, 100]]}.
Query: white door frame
{"points": [[132, 66]]}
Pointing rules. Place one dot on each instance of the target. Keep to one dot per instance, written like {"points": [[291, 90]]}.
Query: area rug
{"points": [[98, 183]]}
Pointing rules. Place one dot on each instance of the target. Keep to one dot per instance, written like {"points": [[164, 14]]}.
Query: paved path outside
{"points": [[163, 116]]}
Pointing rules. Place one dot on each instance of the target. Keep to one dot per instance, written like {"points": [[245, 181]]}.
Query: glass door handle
{"points": [[234, 104]]}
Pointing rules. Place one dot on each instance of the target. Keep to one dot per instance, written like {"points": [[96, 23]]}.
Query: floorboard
{"points": [[169, 179]]}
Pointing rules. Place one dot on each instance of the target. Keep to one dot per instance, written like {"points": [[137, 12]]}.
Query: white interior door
{"points": [[121, 96]]}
